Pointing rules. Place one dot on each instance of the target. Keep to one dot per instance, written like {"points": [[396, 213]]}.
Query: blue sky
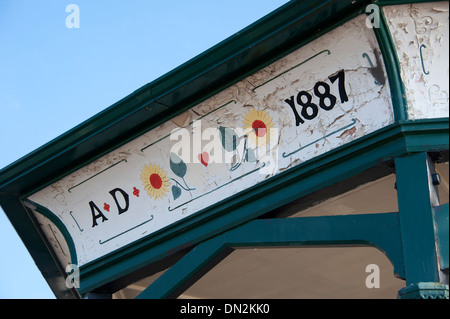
{"points": [[52, 77]]}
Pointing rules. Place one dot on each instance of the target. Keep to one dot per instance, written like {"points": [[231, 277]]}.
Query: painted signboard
{"points": [[319, 97]]}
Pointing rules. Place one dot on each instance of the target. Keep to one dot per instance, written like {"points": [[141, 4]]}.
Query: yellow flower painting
{"points": [[258, 124], [155, 181]]}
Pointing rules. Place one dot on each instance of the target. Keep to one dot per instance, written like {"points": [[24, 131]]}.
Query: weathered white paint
{"points": [[421, 35], [351, 47]]}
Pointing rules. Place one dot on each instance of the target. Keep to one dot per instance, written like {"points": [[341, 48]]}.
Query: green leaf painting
{"points": [[177, 165], [230, 140], [176, 192], [179, 168]]}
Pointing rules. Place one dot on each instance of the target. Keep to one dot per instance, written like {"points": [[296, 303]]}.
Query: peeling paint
{"points": [[183, 119], [348, 132], [421, 35], [344, 95]]}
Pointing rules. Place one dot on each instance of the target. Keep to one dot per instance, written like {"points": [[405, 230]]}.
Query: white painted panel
{"points": [[141, 188], [421, 35]]}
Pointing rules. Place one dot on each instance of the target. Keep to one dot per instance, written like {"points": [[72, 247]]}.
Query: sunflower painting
{"points": [[258, 124], [155, 181]]}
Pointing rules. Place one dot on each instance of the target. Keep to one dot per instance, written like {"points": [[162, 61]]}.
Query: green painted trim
{"points": [[421, 59], [353, 122], [379, 230], [291, 68], [424, 290], [281, 189], [101, 242], [428, 135], [393, 70], [44, 211], [217, 188], [84, 181], [35, 242]]}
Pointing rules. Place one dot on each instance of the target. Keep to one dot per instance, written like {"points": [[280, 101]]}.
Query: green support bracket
{"points": [[378, 230]]}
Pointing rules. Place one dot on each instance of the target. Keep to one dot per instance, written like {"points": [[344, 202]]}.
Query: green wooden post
{"points": [[416, 199]]}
